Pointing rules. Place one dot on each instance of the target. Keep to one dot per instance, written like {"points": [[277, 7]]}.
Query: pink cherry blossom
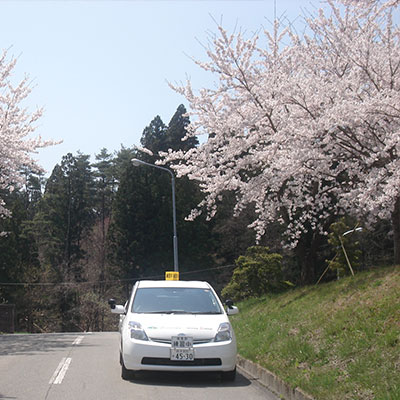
{"points": [[305, 127], [17, 126]]}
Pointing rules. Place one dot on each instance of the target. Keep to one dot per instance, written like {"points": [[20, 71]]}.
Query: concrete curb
{"points": [[271, 381]]}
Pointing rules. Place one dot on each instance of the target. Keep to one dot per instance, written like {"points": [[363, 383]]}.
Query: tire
{"points": [[228, 376], [126, 374]]}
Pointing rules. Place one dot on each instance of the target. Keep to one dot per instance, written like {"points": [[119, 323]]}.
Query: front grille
{"points": [[195, 342], [198, 362]]}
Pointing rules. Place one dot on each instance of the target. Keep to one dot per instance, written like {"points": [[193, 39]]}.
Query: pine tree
{"points": [[105, 186], [153, 137], [141, 239], [66, 211], [64, 218], [177, 130]]}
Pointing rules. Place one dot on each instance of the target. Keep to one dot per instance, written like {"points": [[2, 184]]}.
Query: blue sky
{"points": [[100, 68]]}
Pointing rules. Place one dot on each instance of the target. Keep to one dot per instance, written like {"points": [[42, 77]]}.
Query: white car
{"points": [[176, 326]]}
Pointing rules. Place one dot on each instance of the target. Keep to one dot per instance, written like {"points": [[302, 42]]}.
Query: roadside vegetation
{"points": [[336, 340]]}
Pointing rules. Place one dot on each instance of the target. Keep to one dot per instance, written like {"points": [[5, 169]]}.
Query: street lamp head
{"points": [[135, 162], [359, 229]]}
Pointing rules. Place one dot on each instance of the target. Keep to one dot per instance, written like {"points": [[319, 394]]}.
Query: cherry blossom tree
{"points": [[303, 128], [16, 127]]}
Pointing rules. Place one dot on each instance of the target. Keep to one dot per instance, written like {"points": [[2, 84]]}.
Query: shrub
{"points": [[257, 272]]}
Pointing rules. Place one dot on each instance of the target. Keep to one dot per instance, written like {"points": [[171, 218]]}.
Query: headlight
{"points": [[224, 332], [137, 332]]}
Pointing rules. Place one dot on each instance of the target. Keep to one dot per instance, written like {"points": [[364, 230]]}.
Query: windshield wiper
{"points": [[206, 312], [168, 312]]}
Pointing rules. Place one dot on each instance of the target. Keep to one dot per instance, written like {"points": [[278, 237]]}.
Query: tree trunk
{"points": [[307, 253], [306, 262], [396, 231]]}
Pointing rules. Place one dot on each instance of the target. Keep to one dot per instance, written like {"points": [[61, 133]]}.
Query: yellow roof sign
{"points": [[172, 276]]}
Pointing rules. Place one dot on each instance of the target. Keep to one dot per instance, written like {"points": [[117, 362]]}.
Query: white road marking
{"points": [[57, 371], [62, 368], [78, 340], [60, 371]]}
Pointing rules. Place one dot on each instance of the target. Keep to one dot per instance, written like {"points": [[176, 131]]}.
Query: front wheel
{"points": [[229, 375], [126, 374]]}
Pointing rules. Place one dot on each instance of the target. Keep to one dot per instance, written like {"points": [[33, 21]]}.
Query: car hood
{"points": [[163, 326]]}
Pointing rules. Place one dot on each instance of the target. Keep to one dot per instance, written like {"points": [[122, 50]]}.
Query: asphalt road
{"points": [[86, 366]]}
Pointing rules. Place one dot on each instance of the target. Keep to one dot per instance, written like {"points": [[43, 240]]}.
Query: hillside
{"points": [[339, 340]]}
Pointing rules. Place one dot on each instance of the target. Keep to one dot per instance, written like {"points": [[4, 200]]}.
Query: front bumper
{"points": [[154, 356]]}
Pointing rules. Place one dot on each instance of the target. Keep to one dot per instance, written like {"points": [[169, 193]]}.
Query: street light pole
{"points": [[138, 163]]}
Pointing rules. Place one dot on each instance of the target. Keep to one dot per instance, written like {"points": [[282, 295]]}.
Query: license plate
{"points": [[182, 348], [182, 354]]}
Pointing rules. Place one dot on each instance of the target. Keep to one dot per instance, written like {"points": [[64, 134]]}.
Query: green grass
{"points": [[336, 341]]}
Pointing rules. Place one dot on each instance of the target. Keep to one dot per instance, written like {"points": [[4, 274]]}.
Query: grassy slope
{"points": [[339, 340]]}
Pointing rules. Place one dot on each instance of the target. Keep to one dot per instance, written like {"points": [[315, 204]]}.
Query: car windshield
{"points": [[175, 301]]}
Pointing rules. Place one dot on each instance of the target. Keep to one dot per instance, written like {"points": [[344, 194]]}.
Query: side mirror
{"points": [[231, 309], [118, 309], [112, 303]]}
